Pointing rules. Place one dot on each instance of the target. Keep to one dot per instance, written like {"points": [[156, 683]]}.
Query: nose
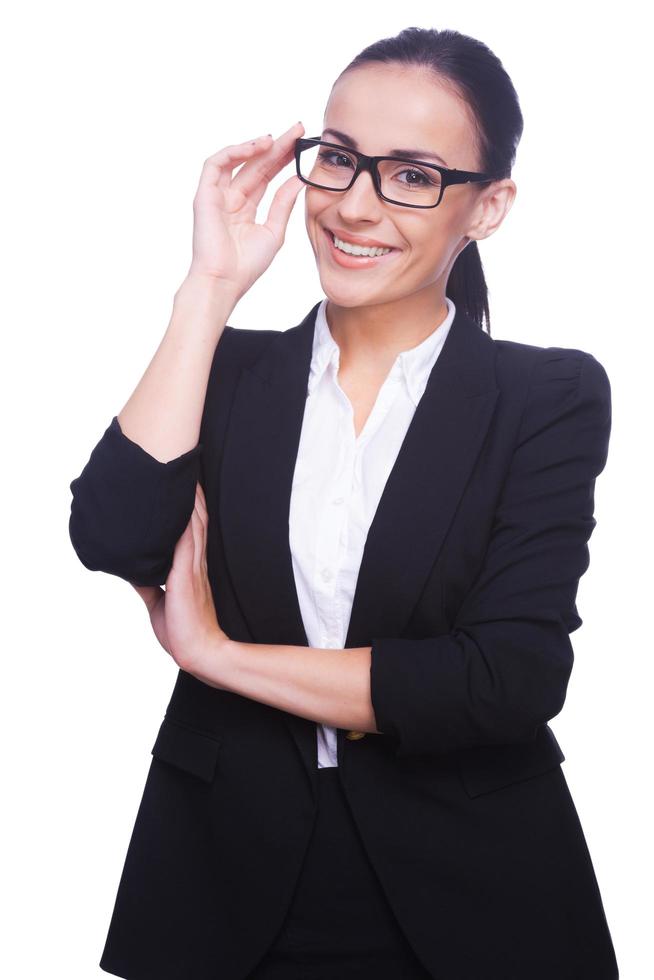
{"points": [[361, 200]]}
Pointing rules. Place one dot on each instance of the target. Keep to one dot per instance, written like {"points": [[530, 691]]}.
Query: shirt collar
{"points": [[413, 366]]}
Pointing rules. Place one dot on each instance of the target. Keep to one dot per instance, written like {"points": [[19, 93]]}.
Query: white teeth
{"points": [[358, 249]]}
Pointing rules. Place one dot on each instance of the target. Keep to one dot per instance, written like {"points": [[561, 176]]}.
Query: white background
{"points": [[109, 110]]}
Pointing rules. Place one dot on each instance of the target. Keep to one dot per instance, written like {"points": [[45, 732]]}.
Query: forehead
{"points": [[385, 106]]}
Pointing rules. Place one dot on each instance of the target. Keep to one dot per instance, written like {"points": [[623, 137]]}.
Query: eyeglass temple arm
{"points": [[453, 176], [466, 176]]}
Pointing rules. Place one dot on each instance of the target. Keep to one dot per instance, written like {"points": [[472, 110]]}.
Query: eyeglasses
{"points": [[409, 183]]}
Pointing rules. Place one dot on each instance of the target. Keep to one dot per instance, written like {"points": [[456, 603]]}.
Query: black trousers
{"points": [[340, 924]]}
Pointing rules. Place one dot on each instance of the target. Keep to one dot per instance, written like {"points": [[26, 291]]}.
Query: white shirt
{"points": [[338, 482]]}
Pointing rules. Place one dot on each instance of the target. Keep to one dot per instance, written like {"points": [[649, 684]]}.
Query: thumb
{"points": [[282, 205], [151, 594]]}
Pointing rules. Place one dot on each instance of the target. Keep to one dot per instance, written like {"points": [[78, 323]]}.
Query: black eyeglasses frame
{"points": [[369, 163]]}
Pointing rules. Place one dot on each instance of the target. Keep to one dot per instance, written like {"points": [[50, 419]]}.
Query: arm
{"points": [[324, 685], [135, 495], [503, 669], [163, 414]]}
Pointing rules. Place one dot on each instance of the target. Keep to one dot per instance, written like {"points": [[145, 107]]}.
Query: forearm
{"points": [[328, 686], [164, 413]]}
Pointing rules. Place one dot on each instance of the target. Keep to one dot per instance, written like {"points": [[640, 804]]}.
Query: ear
{"points": [[494, 203]]}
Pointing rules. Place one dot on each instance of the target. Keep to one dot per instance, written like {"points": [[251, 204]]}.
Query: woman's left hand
{"points": [[183, 616]]}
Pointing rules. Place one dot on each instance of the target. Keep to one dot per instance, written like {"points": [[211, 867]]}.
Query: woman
{"points": [[371, 528]]}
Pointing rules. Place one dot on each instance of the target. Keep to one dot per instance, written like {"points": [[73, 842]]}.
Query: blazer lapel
{"points": [[416, 508]]}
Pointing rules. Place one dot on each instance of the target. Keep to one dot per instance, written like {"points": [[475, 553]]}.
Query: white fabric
{"points": [[338, 482]]}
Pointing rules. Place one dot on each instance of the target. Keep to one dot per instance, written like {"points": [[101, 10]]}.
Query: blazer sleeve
{"points": [[503, 669], [129, 509]]}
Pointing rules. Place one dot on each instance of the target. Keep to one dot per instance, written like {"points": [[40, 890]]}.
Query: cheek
{"points": [[315, 202], [436, 237], [310, 222], [429, 243], [429, 250], [308, 209], [315, 205]]}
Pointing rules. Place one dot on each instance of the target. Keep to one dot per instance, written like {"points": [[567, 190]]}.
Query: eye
{"points": [[422, 179], [327, 157]]}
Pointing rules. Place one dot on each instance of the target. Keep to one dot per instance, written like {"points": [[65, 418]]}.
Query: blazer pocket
{"points": [[187, 748], [490, 767]]}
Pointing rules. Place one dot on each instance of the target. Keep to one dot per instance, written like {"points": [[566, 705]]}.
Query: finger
{"points": [[199, 545], [201, 515], [201, 509], [257, 173], [217, 168], [255, 195], [253, 180], [230, 157], [282, 205]]}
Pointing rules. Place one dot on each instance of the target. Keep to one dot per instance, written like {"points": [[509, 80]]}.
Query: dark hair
{"points": [[477, 75]]}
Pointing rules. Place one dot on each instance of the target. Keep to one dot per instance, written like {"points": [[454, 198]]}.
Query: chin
{"points": [[347, 295]]}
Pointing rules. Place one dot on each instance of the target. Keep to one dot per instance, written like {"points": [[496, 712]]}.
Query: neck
{"points": [[378, 333]]}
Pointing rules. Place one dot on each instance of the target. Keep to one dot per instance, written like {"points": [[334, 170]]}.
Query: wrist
{"points": [[206, 288], [224, 655], [201, 307]]}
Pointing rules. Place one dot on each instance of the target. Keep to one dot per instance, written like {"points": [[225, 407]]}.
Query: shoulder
{"points": [[566, 406], [561, 397], [551, 369], [513, 356], [242, 345]]}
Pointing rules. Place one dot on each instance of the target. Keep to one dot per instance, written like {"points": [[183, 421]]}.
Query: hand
{"points": [[229, 247], [183, 616]]}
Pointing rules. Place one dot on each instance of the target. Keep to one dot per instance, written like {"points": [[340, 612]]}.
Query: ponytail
{"points": [[466, 285]]}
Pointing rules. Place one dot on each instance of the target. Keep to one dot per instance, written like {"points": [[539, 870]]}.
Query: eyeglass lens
{"points": [[403, 182]]}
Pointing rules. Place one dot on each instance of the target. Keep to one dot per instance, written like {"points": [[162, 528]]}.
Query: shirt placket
{"points": [[331, 535], [332, 522]]}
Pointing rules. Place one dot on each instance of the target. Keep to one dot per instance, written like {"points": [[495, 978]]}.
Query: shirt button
{"points": [[327, 574], [338, 500]]}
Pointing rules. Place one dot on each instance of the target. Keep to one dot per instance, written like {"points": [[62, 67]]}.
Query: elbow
{"points": [[129, 510], [516, 687], [496, 683], [117, 555]]}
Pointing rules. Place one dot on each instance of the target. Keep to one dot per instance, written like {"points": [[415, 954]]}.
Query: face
{"points": [[383, 107]]}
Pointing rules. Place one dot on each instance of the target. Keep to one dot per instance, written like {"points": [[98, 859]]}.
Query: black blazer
{"points": [[466, 593]]}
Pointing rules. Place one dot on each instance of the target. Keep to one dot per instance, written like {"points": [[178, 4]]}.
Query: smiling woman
{"points": [[370, 593], [444, 145]]}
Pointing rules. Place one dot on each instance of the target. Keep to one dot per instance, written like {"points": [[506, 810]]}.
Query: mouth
{"points": [[349, 260]]}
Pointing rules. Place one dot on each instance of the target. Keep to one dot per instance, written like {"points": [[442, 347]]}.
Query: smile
{"points": [[351, 256], [358, 249]]}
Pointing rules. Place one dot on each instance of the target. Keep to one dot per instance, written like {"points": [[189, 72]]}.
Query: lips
{"points": [[361, 240], [361, 262]]}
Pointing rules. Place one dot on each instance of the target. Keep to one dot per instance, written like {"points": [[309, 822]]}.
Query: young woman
{"points": [[371, 528]]}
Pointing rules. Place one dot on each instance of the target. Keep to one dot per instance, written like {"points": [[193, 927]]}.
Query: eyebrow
{"points": [[415, 154]]}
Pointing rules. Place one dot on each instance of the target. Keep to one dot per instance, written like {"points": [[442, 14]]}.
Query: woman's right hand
{"points": [[228, 245]]}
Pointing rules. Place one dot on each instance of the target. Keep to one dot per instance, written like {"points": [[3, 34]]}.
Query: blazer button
{"points": [[355, 735]]}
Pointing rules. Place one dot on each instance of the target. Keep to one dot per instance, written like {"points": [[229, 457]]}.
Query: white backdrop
{"points": [[109, 111]]}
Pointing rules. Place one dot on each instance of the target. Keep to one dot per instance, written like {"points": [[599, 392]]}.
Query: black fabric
{"points": [[466, 594], [339, 923], [503, 668]]}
